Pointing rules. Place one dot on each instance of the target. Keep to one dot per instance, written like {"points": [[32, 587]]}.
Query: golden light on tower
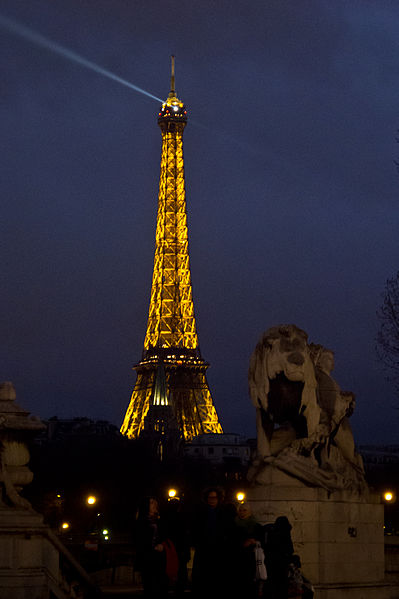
{"points": [[171, 389]]}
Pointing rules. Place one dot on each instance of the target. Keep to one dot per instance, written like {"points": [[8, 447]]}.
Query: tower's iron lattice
{"points": [[171, 390]]}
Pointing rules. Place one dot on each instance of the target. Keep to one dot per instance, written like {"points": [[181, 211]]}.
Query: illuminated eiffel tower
{"points": [[171, 394]]}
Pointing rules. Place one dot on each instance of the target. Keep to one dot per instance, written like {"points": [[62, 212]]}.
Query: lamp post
{"points": [[390, 512]]}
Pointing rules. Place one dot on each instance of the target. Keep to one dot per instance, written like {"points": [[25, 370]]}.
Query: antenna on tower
{"points": [[172, 77]]}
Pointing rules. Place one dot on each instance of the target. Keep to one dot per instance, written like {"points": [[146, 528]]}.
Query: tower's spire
{"points": [[172, 110], [172, 93]]}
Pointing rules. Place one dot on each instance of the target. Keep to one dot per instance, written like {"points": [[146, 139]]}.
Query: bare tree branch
{"points": [[387, 341]]}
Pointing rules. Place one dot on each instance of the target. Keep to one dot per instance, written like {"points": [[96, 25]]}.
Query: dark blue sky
{"points": [[292, 192]]}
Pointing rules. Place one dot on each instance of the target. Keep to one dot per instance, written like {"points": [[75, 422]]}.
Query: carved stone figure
{"points": [[16, 427], [301, 413]]}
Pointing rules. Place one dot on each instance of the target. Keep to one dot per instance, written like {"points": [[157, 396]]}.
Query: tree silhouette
{"points": [[388, 334]]}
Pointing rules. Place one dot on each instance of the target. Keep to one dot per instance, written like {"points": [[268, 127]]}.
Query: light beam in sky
{"points": [[40, 40]]}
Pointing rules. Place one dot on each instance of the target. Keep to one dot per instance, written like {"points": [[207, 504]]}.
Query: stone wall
{"points": [[29, 563], [339, 537]]}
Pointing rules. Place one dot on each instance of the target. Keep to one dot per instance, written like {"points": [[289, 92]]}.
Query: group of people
{"points": [[234, 555]]}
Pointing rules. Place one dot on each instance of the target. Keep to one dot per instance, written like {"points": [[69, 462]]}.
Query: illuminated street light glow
{"points": [[91, 500], [240, 496], [105, 531], [172, 493], [388, 496], [65, 525]]}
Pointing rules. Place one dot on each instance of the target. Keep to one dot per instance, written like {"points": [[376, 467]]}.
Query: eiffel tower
{"points": [[171, 395]]}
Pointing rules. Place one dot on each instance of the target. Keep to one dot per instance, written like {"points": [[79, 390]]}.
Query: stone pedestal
{"points": [[29, 563], [338, 536]]}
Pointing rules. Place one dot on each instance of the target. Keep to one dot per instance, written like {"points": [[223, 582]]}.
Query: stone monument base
{"points": [[338, 536], [29, 563], [383, 590]]}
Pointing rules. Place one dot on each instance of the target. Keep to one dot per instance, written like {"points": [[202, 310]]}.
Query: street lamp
{"points": [[91, 500], [172, 494], [65, 525], [389, 496], [240, 496]]}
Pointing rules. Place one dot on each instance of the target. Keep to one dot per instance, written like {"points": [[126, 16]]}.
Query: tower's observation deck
{"points": [[171, 390]]}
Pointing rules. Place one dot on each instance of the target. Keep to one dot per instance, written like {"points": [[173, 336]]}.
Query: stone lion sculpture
{"points": [[302, 416]]}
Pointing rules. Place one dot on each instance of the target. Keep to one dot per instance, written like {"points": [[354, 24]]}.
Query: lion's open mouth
{"points": [[284, 398]]}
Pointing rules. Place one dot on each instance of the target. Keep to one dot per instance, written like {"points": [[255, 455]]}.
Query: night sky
{"points": [[292, 192]]}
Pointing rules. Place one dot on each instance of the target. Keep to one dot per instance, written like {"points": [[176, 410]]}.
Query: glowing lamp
{"points": [[65, 525], [91, 500], [172, 493], [388, 496], [240, 496]]}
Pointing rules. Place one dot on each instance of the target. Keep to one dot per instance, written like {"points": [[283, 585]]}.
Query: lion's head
{"points": [[281, 375]]}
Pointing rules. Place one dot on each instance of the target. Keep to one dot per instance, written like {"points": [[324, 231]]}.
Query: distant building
{"points": [[58, 429], [220, 448], [375, 456]]}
